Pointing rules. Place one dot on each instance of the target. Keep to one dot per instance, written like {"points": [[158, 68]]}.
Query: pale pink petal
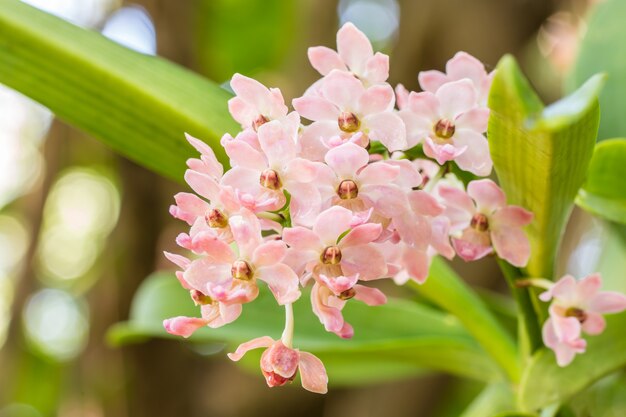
{"points": [[472, 245], [361, 235], [243, 155], [269, 253], [246, 231], [242, 111], [455, 98], [177, 260], [431, 80], [608, 302], [512, 216], [409, 176], [311, 140], [268, 102], [347, 159], [215, 168], [566, 328], [440, 240], [457, 198], [402, 96], [424, 203], [305, 205], [564, 288], [227, 313], [242, 349], [370, 296], [364, 260], [464, 65], [203, 272], [376, 99], [338, 284], [416, 263], [512, 245], [343, 90], [329, 316], [564, 351], [476, 158], [589, 286], [487, 195], [316, 108], [302, 238], [215, 249], [331, 224], [302, 170], [378, 173], [202, 184], [188, 207], [425, 104], [443, 153], [324, 59], [475, 119], [388, 129], [183, 326], [377, 68], [353, 46], [594, 323], [282, 281], [312, 373], [278, 142]]}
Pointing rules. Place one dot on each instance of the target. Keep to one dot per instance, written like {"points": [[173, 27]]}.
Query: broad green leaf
{"points": [[603, 50], [259, 42], [445, 288], [606, 398], [137, 104], [398, 339], [604, 191], [543, 381], [495, 398], [541, 154]]}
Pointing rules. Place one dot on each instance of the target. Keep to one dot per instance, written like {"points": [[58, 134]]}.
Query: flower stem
{"points": [[287, 337]]}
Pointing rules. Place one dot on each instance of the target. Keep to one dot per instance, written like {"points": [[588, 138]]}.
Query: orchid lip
{"points": [[480, 222], [347, 190], [444, 129], [331, 255], [348, 122], [241, 270]]}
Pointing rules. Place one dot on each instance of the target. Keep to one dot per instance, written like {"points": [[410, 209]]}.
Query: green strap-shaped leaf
{"points": [[445, 288], [397, 339], [603, 50], [541, 154], [137, 104], [604, 191], [495, 398]]}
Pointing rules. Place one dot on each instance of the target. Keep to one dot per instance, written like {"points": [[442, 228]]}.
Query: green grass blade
{"points": [[138, 105]]}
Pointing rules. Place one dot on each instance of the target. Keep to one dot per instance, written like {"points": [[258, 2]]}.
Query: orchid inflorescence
{"points": [[363, 192]]}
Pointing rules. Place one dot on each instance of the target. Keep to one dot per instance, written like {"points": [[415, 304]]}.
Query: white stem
{"points": [[287, 337]]}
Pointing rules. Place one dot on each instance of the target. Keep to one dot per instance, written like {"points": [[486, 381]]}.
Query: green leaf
{"points": [[604, 191], [541, 154], [606, 398], [395, 340], [603, 50], [445, 288], [544, 382], [139, 105], [495, 398]]}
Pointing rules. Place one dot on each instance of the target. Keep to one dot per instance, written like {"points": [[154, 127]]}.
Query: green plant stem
{"points": [[445, 288], [529, 330]]}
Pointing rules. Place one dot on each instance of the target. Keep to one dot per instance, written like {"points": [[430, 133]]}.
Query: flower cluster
{"points": [[339, 200], [576, 308]]}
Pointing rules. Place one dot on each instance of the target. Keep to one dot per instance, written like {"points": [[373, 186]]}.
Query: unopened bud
{"points": [[215, 218], [241, 270], [331, 255], [444, 129], [576, 312], [347, 294], [260, 120], [270, 179], [480, 222], [199, 298], [347, 190], [348, 122]]}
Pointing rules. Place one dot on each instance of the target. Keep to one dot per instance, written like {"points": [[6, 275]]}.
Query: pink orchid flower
{"points": [[319, 251], [461, 66], [450, 126], [582, 302], [230, 277], [255, 104], [344, 107], [563, 337], [484, 220], [280, 364], [354, 54]]}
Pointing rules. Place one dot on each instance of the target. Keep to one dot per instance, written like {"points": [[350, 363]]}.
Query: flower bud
{"points": [[347, 294], [444, 129], [215, 218], [347, 190], [279, 364], [270, 179], [199, 298], [348, 122], [479, 222], [331, 255], [260, 120], [241, 270]]}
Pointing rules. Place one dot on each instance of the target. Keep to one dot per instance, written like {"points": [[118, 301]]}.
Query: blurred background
{"points": [[80, 227]]}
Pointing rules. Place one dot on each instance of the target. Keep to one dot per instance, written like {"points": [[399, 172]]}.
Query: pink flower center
{"points": [[480, 222], [275, 380], [348, 122], [347, 294], [444, 129], [199, 298], [347, 190], [260, 120], [576, 312], [270, 179], [331, 255], [241, 270], [215, 218]]}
